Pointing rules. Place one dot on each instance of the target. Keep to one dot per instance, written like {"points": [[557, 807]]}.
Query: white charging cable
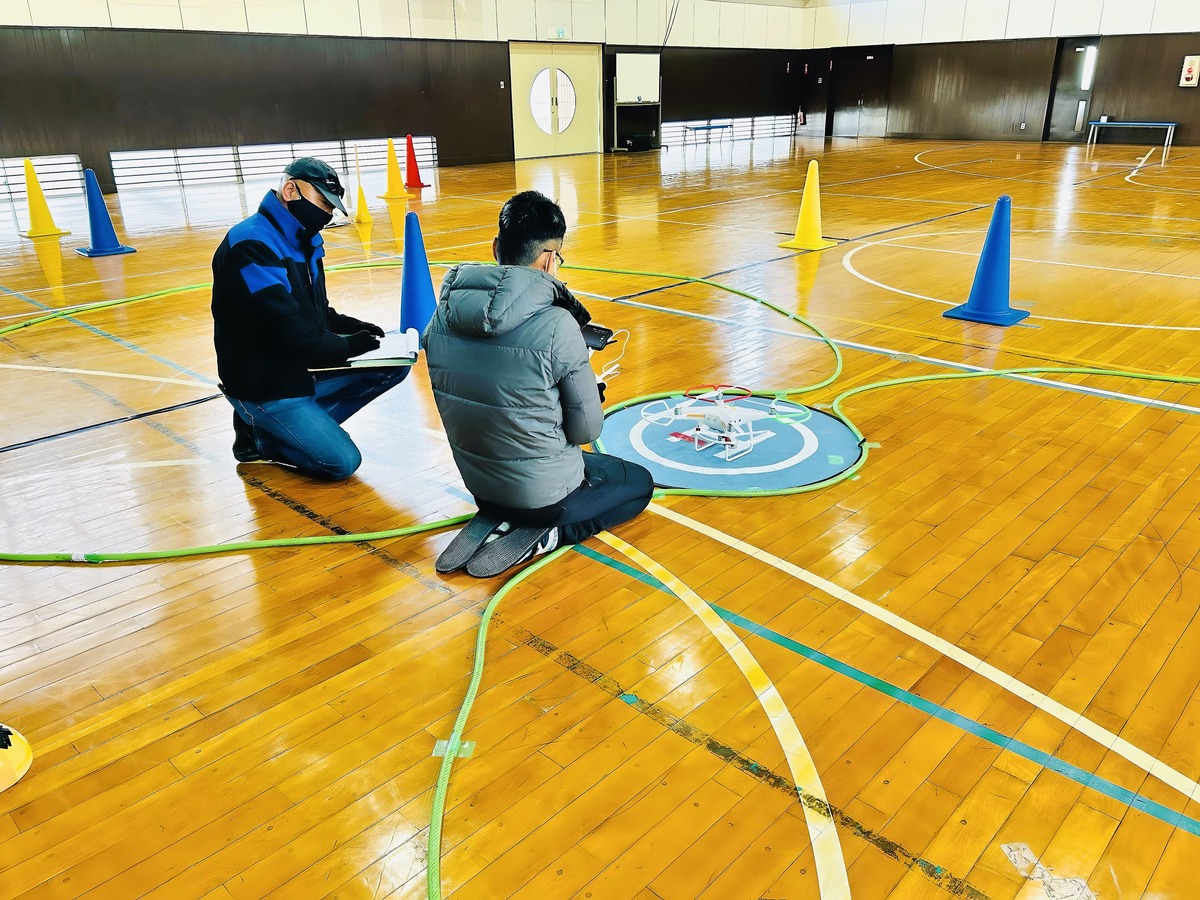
{"points": [[612, 369]]}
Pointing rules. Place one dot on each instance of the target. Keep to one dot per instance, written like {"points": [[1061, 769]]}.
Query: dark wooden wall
{"points": [[1137, 79], [89, 91], [715, 83], [973, 90]]}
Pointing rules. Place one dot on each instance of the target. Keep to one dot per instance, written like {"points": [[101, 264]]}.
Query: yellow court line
{"points": [[827, 851], [154, 378], [1078, 721]]}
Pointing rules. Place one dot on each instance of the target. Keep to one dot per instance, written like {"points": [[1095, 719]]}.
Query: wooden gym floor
{"points": [[984, 646]]}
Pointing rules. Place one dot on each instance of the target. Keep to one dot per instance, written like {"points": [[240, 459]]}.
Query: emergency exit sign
{"points": [[558, 33], [1191, 72]]}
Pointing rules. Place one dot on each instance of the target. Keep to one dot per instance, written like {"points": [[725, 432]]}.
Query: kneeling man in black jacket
{"points": [[273, 323]]}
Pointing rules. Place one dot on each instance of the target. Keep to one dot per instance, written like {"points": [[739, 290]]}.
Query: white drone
{"points": [[718, 423]]}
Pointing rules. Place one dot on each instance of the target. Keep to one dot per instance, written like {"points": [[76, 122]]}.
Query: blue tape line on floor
{"points": [[1041, 758]]}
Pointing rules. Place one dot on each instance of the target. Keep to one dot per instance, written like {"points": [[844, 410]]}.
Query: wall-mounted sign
{"points": [[1190, 76]]}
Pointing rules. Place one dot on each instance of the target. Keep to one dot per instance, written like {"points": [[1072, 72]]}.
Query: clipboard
{"points": [[396, 348]]}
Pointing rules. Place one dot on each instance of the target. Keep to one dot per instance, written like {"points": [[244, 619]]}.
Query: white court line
{"points": [[1141, 162], [848, 265], [894, 242], [930, 360], [1102, 736], [183, 381], [832, 880]]}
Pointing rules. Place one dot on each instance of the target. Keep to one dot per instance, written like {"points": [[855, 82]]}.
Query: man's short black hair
{"points": [[528, 222]]}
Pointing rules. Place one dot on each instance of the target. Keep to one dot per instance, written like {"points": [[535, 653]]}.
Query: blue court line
{"points": [[1041, 758], [112, 337]]}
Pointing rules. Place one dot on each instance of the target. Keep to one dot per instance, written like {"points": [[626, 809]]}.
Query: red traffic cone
{"points": [[412, 175]]}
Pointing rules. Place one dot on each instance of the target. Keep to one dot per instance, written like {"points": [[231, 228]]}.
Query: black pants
{"points": [[613, 491]]}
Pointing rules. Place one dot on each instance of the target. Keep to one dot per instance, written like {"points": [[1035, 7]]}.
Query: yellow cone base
{"points": [[808, 244], [15, 759], [41, 234]]}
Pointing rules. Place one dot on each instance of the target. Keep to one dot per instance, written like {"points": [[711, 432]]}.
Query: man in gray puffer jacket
{"points": [[518, 398]]}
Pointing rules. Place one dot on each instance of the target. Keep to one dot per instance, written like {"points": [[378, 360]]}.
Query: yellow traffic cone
{"points": [[15, 756], [395, 180], [41, 223], [808, 225], [362, 215]]}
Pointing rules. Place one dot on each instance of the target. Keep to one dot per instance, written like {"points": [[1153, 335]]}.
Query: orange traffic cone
{"points": [[412, 175]]}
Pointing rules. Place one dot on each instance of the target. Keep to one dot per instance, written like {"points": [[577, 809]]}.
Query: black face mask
{"points": [[310, 216]]}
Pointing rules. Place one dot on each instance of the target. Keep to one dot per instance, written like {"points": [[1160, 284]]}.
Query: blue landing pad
{"points": [[792, 445]]}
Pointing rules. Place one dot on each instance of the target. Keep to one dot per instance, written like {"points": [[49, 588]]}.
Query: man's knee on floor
{"points": [[340, 465]]}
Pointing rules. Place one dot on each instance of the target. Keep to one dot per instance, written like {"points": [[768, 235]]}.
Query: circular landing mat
{"points": [[731, 442]]}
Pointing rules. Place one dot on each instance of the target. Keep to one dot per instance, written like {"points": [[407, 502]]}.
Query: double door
{"points": [[555, 99], [859, 90]]}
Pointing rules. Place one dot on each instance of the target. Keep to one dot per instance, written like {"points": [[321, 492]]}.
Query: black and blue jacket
{"points": [[272, 319]]}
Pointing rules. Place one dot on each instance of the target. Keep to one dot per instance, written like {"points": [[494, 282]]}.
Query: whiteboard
{"points": [[637, 78]]}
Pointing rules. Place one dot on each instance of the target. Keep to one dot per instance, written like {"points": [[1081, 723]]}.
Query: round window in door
{"points": [[540, 103], [566, 101]]}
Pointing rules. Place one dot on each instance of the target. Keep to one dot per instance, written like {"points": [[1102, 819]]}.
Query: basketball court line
{"points": [[848, 265], [155, 379], [128, 345], [1102, 736], [930, 360], [1004, 742], [822, 830]]}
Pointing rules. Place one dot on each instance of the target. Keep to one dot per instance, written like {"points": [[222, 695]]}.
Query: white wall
{"points": [[702, 23]]}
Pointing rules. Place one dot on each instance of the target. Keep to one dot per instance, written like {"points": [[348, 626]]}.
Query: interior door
{"points": [[1072, 89], [556, 99], [859, 95]]}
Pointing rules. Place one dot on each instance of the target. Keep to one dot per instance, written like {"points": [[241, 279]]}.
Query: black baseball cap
{"points": [[320, 175]]}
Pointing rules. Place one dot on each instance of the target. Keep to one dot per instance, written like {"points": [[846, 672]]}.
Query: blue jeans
{"points": [[306, 432]]}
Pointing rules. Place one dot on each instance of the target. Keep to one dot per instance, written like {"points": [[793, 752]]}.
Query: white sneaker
{"points": [[548, 542]]}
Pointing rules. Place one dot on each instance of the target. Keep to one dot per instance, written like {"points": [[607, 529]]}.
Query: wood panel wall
{"points": [[1137, 79], [90, 91], [972, 90], [712, 83]]}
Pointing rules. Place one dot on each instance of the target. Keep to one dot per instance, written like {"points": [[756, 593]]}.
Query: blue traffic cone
{"points": [[417, 300], [104, 237], [988, 301]]}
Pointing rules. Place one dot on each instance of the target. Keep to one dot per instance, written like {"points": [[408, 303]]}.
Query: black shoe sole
{"points": [[468, 540], [505, 552]]}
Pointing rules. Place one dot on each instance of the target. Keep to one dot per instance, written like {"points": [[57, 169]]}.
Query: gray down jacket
{"points": [[512, 383]]}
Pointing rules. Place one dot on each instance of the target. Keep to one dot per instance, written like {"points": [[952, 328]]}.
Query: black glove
{"points": [[600, 386], [359, 343], [371, 329]]}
